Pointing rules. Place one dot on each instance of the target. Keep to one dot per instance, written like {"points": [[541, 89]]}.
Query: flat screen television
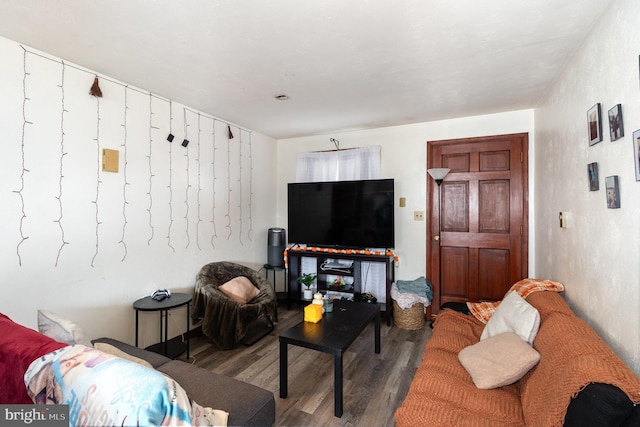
{"points": [[345, 214]]}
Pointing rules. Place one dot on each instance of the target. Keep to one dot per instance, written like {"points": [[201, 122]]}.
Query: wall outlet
{"points": [[418, 215]]}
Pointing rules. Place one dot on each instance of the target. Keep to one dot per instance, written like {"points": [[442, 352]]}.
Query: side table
{"points": [[169, 349]]}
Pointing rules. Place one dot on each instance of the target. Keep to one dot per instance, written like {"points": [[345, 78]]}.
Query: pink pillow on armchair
{"points": [[19, 346], [240, 289]]}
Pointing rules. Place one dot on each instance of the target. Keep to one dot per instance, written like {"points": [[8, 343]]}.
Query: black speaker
{"points": [[276, 241]]}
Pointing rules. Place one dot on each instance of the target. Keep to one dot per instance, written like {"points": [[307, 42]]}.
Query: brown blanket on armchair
{"points": [[224, 320]]}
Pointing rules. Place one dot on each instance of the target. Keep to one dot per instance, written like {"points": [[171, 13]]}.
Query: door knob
{"points": [[436, 238]]}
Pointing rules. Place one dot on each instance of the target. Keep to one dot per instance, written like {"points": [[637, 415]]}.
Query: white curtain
{"points": [[346, 165], [341, 165]]}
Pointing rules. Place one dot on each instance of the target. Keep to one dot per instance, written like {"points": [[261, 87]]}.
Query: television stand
{"points": [[330, 263]]}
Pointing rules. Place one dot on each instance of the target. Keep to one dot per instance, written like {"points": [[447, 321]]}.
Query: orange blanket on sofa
{"points": [[572, 356]]}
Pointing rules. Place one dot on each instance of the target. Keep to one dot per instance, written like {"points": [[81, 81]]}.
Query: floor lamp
{"points": [[438, 175]]}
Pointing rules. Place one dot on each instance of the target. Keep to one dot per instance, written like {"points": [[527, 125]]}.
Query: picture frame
{"points": [[616, 126], [592, 172], [636, 152], [613, 192], [594, 124]]}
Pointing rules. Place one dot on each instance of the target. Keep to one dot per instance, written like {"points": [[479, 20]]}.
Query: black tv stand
{"points": [[296, 253]]}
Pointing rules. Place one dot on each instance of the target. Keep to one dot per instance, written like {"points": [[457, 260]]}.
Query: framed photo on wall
{"points": [[636, 152], [594, 181], [613, 192], [595, 124], [616, 127]]}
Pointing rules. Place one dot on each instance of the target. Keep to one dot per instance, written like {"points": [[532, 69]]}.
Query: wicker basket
{"points": [[411, 318]]}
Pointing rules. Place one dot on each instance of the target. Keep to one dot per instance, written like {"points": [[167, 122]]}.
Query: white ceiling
{"points": [[345, 65]]}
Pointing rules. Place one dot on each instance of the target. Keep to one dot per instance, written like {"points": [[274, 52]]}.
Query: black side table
{"points": [[169, 349]]}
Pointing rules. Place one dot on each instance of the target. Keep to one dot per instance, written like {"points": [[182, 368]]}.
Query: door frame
{"points": [[432, 266]]}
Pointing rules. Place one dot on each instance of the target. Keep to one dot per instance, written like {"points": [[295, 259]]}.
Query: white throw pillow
{"points": [[498, 361], [60, 329], [515, 315]]}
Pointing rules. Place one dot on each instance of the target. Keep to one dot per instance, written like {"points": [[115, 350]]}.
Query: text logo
{"points": [[34, 415]]}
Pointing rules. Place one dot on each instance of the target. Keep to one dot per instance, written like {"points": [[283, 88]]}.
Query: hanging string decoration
{"points": [[24, 170], [98, 182], [61, 164], [199, 187], [243, 156], [240, 188], [228, 214], [214, 235], [124, 170], [250, 233], [185, 144], [170, 186], [151, 174]]}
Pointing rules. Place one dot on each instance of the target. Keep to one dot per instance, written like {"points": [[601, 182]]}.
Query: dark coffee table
{"points": [[333, 334]]}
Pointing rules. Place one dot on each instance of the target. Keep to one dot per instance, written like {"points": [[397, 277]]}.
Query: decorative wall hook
{"points": [[185, 142], [95, 89], [170, 137]]}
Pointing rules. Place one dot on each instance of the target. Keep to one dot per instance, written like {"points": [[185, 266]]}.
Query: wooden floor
{"points": [[374, 384]]}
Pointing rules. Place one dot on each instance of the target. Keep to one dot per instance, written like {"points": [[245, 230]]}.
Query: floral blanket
{"points": [[102, 389]]}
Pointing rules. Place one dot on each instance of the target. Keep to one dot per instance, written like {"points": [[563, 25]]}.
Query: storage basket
{"points": [[411, 318]]}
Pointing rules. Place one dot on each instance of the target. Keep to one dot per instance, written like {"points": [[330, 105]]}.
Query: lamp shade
{"points": [[438, 173]]}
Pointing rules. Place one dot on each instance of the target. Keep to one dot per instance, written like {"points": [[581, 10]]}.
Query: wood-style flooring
{"points": [[374, 384]]}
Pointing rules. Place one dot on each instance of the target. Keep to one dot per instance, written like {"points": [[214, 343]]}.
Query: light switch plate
{"points": [[563, 219]]}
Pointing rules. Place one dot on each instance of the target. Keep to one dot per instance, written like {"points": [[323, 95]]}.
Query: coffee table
{"points": [[333, 334]]}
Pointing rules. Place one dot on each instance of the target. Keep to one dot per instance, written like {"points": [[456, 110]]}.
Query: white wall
{"points": [[404, 159], [598, 256], [86, 243]]}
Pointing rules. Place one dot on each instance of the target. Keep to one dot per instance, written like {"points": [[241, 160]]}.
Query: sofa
{"points": [[102, 381], [247, 405], [572, 377]]}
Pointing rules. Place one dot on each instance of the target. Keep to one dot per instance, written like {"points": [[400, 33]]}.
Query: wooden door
{"points": [[480, 249]]}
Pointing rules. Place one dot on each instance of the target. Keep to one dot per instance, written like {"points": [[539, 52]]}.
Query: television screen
{"points": [[349, 214]]}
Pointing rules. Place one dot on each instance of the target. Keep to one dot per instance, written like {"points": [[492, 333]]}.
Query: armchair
{"points": [[224, 320]]}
